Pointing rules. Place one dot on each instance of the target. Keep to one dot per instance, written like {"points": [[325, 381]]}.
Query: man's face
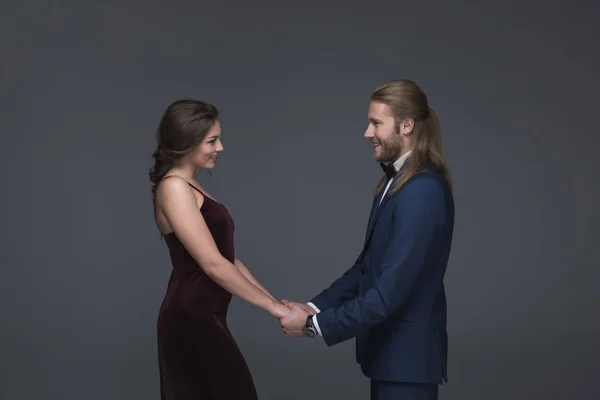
{"points": [[384, 134]]}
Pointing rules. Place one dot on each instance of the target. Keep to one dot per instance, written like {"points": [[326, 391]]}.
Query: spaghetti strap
{"points": [[193, 187], [197, 190]]}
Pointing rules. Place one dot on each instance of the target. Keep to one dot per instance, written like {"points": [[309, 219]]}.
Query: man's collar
{"points": [[399, 162]]}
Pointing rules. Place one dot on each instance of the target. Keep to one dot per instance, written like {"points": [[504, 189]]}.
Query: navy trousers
{"points": [[403, 391]]}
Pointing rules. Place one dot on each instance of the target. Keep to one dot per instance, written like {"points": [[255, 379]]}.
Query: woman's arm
{"points": [[246, 272], [178, 202]]}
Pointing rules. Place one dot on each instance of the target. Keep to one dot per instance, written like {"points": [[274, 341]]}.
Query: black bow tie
{"points": [[389, 170]]}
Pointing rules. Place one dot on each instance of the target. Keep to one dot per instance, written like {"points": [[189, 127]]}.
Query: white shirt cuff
{"points": [[313, 307], [314, 318]]}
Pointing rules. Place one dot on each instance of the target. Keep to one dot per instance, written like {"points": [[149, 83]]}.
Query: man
{"points": [[393, 299]]}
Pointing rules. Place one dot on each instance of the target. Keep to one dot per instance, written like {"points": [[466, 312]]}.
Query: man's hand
{"points": [[303, 306], [293, 323]]}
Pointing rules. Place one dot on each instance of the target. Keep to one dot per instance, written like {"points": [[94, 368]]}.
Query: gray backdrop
{"points": [[84, 84]]}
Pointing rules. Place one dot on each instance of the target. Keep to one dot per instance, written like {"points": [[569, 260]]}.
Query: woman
{"points": [[198, 357]]}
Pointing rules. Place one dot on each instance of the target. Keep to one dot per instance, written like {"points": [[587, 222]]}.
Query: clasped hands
{"points": [[293, 320]]}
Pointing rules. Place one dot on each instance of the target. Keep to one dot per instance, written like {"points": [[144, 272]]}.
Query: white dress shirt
{"points": [[397, 165]]}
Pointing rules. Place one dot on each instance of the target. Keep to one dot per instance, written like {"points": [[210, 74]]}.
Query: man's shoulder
{"points": [[422, 193], [424, 182]]}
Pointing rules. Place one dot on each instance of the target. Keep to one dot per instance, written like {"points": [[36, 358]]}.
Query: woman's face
{"points": [[205, 154]]}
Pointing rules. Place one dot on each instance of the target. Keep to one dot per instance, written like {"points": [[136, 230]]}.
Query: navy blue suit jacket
{"points": [[392, 300]]}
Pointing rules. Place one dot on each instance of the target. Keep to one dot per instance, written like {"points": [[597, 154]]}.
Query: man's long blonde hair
{"points": [[406, 100]]}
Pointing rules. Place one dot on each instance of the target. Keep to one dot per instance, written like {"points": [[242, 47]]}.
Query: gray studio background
{"points": [[83, 85]]}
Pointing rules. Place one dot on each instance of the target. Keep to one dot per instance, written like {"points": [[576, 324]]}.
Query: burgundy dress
{"points": [[198, 357]]}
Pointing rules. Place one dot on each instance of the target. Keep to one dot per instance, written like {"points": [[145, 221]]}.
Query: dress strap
{"points": [[193, 187], [197, 190]]}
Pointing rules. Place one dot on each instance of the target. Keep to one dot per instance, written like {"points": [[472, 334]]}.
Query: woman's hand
{"points": [[303, 306], [278, 310]]}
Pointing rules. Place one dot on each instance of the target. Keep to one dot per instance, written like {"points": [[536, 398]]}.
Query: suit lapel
{"points": [[376, 209], [374, 212]]}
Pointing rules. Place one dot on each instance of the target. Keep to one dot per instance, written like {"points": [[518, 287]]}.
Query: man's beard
{"points": [[391, 149]]}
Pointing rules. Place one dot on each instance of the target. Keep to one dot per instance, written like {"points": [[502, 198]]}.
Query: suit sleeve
{"points": [[418, 216], [343, 288]]}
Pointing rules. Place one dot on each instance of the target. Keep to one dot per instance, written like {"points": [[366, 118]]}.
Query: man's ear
{"points": [[406, 127]]}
